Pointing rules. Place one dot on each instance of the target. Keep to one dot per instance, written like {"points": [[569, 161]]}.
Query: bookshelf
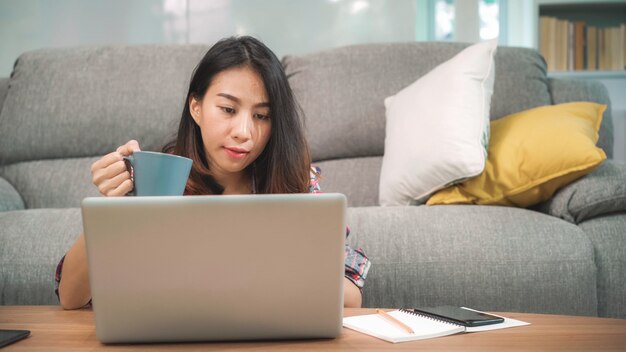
{"points": [[573, 59], [582, 35]]}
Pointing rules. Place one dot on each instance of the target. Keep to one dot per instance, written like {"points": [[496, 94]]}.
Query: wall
{"points": [[287, 26]]}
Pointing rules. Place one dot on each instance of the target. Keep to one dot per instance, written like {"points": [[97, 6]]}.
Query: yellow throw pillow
{"points": [[532, 154]]}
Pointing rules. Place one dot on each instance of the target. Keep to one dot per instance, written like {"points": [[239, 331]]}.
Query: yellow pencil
{"points": [[395, 321]]}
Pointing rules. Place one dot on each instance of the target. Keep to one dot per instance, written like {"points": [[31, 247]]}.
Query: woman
{"points": [[241, 127]]}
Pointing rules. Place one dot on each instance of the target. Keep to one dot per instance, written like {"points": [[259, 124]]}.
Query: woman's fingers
{"points": [[102, 178], [105, 161], [123, 189], [110, 174], [128, 148], [115, 186]]}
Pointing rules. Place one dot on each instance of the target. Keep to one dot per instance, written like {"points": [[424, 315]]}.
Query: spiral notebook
{"points": [[424, 327]]}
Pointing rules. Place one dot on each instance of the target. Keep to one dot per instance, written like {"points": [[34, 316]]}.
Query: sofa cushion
{"points": [[608, 237], [437, 128], [485, 257], [9, 198], [31, 244], [568, 90], [56, 183], [87, 101], [342, 90], [357, 178], [601, 192], [532, 154]]}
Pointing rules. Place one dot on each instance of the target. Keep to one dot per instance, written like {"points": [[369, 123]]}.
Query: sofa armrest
{"points": [[4, 89], [601, 192], [568, 90], [10, 199]]}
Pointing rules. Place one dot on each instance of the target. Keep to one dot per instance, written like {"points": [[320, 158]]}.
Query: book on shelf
{"points": [[577, 46], [592, 48]]}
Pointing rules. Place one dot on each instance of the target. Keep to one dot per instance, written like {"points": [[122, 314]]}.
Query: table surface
{"points": [[53, 329]]}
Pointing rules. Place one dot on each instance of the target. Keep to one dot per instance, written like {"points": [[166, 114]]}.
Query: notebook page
{"points": [[377, 326]]}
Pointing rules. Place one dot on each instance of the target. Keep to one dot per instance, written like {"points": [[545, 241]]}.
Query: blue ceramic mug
{"points": [[158, 174]]}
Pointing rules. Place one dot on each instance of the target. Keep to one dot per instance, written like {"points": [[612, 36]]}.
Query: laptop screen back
{"points": [[203, 268]]}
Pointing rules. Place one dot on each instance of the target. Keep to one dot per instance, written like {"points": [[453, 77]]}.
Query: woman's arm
{"points": [[357, 264], [351, 294], [110, 175], [74, 290]]}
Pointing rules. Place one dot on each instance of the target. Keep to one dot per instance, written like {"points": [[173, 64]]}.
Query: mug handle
{"points": [[128, 161]]}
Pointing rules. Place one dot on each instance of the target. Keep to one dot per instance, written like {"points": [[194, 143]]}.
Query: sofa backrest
{"points": [[77, 102], [66, 107], [342, 90]]}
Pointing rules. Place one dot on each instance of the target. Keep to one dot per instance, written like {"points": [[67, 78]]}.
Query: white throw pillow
{"points": [[437, 130]]}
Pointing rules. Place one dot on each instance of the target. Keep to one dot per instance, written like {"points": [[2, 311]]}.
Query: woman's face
{"points": [[234, 119]]}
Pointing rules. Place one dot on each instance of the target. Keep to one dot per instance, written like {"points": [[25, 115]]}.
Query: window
{"points": [[488, 12], [481, 17], [444, 20]]}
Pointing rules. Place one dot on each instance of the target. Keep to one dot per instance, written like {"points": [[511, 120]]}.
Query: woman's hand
{"points": [[109, 173]]}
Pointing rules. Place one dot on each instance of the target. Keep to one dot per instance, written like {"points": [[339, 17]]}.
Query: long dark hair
{"points": [[284, 164]]}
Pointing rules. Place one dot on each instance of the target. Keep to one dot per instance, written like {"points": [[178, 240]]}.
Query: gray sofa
{"points": [[63, 108]]}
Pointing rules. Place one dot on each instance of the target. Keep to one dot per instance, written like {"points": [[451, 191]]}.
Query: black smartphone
{"points": [[460, 316], [7, 337]]}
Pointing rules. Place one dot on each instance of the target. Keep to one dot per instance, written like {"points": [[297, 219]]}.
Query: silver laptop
{"points": [[216, 268]]}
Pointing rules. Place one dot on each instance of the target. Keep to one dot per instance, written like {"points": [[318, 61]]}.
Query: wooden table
{"points": [[53, 329]]}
